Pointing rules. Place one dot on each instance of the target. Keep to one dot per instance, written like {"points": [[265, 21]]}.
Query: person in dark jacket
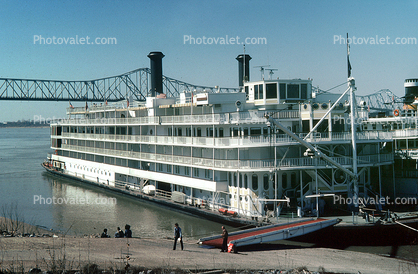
{"points": [[224, 240], [119, 233], [104, 234], [177, 235], [128, 231]]}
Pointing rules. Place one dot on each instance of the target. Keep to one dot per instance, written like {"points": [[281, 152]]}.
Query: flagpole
{"points": [[348, 58], [353, 109]]}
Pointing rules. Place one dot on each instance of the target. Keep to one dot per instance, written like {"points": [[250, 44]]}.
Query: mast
{"points": [[352, 87]]}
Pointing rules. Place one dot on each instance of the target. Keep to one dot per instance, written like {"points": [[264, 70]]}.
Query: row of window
{"points": [[286, 91], [91, 169], [176, 131], [243, 183], [184, 170]]}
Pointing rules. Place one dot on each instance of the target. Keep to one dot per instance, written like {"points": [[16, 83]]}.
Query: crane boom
{"points": [[309, 146]]}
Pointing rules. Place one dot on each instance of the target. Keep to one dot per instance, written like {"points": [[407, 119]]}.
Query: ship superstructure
{"points": [[219, 150], [402, 124]]}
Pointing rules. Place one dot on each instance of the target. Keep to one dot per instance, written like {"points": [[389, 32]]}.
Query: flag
{"points": [[368, 108], [127, 103], [348, 58], [106, 102], [71, 105]]}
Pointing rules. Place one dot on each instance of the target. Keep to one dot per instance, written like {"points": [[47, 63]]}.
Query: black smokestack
{"points": [[243, 64], [156, 72]]}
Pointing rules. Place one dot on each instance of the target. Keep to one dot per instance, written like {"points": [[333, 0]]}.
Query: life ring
{"points": [[396, 112]]}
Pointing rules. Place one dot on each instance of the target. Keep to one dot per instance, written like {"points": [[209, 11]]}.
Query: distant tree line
{"points": [[23, 124]]}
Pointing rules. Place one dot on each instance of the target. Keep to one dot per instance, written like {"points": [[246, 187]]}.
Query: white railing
{"points": [[223, 118], [403, 133], [231, 164], [261, 140], [110, 121]]}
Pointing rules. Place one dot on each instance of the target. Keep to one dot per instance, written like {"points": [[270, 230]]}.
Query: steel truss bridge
{"points": [[381, 100], [134, 84]]}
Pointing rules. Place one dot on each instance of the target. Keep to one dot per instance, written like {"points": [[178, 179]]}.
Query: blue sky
{"points": [[299, 34]]}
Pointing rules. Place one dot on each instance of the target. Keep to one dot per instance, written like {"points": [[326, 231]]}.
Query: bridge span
{"points": [[134, 84]]}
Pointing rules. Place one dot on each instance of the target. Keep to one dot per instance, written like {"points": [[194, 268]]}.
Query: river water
{"points": [[23, 182]]}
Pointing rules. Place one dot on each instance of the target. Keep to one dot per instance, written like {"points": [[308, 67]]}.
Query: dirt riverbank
{"points": [[74, 253]]}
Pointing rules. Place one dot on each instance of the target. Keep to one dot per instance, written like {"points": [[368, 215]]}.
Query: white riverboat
{"points": [[219, 150]]}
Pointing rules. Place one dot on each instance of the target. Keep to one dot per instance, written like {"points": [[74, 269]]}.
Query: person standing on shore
{"points": [[177, 235], [224, 240]]}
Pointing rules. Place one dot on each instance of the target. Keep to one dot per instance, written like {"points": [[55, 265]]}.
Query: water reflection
{"points": [[113, 210]]}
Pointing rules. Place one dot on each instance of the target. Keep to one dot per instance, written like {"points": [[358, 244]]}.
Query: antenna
{"points": [[262, 70], [271, 72]]}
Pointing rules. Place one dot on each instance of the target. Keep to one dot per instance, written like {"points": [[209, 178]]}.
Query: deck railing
{"points": [[302, 162], [251, 141], [210, 119]]}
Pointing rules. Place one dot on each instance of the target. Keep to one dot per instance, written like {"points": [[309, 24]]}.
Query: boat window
{"points": [[282, 88], [255, 92], [260, 91], [245, 181], [245, 131], [179, 131], [240, 180], [208, 174], [254, 182], [221, 132], [271, 91], [210, 132], [293, 179], [235, 179], [304, 91], [255, 131], [274, 181], [293, 91], [284, 181], [266, 181], [199, 132]]}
